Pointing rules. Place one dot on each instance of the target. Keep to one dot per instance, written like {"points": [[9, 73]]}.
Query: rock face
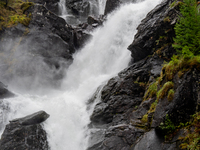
{"points": [[111, 5], [127, 119], [158, 24], [79, 7], [25, 133], [50, 5], [122, 96]]}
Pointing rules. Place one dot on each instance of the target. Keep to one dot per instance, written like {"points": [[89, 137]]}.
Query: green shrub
{"points": [[187, 40], [167, 126]]}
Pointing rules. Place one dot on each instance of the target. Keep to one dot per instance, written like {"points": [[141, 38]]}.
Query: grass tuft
{"points": [[164, 90], [151, 91]]}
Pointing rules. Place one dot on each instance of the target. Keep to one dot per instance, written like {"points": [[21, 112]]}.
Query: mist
{"points": [[33, 63]]}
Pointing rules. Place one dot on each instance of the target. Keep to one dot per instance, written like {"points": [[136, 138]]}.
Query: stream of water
{"points": [[102, 58]]}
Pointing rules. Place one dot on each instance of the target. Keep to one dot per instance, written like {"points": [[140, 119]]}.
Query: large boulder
{"points": [[25, 133]]}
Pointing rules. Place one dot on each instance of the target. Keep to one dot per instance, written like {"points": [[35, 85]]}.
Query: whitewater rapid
{"points": [[102, 58]]}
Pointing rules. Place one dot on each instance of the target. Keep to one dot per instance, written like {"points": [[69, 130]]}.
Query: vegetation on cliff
{"points": [[187, 40], [12, 12], [163, 89], [187, 46]]}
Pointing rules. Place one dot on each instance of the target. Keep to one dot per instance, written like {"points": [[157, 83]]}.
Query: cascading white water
{"points": [[62, 8], [102, 4], [103, 57]]}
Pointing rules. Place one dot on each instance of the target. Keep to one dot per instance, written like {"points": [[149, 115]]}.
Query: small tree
{"points": [[187, 40]]}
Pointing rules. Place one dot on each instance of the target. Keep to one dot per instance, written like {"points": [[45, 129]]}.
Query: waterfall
{"points": [[102, 58], [62, 8], [102, 4]]}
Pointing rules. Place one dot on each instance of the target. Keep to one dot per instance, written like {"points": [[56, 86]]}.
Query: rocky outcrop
{"points": [[48, 43], [47, 22], [126, 117], [4, 92], [121, 97], [153, 30], [25, 133]]}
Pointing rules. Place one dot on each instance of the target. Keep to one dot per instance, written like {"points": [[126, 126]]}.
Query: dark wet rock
{"points": [[80, 9], [111, 5], [124, 111], [158, 23], [184, 103], [93, 20], [153, 141], [141, 111], [81, 32], [80, 37], [44, 56], [120, 100], [150, 141], [50, 5], [4, 92], [32, 119], [119, 137], [25, 133], [45, 20]]}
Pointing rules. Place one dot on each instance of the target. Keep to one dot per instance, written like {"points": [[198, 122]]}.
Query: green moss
{"points": [[170, 95], [173, 4], [151, 91], [153, 107], [13, 14], [144, 118], [164, 90], [180, 65], [143, 84], [26, 5], [167, 19]]}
